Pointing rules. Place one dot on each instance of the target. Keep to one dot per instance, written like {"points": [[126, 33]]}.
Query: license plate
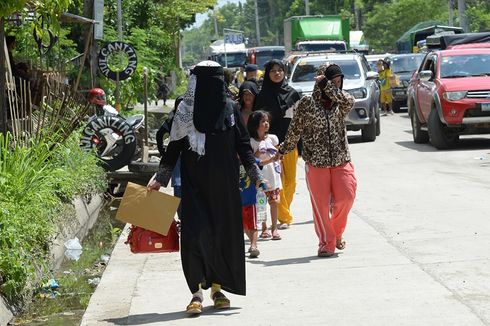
{"points": [[485, 106], [400, 93]]}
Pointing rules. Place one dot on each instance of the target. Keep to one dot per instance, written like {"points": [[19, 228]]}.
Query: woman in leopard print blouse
{"points": [[319, 120]]}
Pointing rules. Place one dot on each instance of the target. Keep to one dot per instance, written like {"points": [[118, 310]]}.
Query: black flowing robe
{"points": [[212, 244]]}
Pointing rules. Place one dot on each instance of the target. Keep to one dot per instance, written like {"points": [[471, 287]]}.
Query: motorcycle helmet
{"points": [[96, 96]]}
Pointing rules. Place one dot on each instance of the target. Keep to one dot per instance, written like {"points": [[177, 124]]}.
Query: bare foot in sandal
{"points": [[276, 235], [340, 244]]}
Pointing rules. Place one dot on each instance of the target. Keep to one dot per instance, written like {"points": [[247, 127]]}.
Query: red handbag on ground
{"points": [[145, 241]]}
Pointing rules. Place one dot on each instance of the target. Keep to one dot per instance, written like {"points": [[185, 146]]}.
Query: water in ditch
{"points": [[76, 280]]}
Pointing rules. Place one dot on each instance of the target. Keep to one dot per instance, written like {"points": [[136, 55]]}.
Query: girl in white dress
{"points": [[264, 147]]}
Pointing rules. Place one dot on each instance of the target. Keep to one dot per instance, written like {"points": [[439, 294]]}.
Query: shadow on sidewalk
{"points": [[154, 317], [290, 261], [303, 223]]}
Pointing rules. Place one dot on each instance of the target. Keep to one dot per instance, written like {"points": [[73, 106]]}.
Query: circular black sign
{"points": [[114, 48]]}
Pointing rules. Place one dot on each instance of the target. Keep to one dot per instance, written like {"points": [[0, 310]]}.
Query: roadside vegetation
{"points": [[37, 185], [383, 22]]}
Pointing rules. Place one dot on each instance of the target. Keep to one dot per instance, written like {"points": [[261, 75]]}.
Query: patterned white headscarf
{"points": [[183, 124]]}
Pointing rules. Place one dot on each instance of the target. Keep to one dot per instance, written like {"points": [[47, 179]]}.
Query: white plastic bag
{"points": [[73, 249]]}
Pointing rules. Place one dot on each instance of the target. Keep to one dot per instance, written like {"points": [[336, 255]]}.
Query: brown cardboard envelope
{"points": [[152, 210]]}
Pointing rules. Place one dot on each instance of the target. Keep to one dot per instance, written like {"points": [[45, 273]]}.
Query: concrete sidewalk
{"points": [[373, 282], [157, 107]]}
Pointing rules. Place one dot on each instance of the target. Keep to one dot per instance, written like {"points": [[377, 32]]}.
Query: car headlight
{"points": [[454, 96], [405, 83], [359, 92]]}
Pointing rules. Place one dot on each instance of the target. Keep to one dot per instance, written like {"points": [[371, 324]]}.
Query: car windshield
{"points": [[406, 63], [372, 65], [312, 47], [262, 57], [465, 65], [306, 71], [233, 59]]}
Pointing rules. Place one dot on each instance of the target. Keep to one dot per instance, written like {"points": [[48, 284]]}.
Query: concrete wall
{"points": [[87, 212]]}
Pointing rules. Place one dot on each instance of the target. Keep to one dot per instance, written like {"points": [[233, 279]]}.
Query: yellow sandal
{"points": [[220, 301], [195, 307]]}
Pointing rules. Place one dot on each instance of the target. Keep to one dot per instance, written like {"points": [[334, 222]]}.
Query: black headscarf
{"points": [[211, 103], [250, 86], [275, 98]]}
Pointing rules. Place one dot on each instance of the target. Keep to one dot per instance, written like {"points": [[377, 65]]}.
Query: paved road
{"points": [[418, 252]]}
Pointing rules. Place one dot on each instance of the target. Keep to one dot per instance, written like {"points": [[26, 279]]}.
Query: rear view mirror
{"points": [[425, 75], [371, 75]]}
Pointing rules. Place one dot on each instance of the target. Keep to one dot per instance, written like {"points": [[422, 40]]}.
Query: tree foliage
{"points": [[383, 21]]}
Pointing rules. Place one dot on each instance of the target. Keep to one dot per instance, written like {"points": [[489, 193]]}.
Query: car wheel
{"points": [[378, 123], [419, 136], [368, 132], [440, 136]]}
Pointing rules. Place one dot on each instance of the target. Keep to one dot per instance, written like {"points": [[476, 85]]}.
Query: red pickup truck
{"points": [[449, 95]]}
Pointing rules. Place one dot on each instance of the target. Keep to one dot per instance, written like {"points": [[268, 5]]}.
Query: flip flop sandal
{"points": [[265, 235], [340, 244], [276, 237], [254, 253], [220, 301], [195, 307], [325, 254]]}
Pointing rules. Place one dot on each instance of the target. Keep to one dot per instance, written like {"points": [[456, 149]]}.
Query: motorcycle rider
{"points": [[97, 97]]}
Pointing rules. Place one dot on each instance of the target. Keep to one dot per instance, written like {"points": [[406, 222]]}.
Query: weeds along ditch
{"points": [[38, 182], [65, 294]]}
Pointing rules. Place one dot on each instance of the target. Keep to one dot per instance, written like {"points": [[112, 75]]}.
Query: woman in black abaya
{"points": [[278, 98], [208, 134]]}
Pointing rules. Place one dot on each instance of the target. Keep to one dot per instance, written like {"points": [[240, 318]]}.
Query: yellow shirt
{"points": [[384, 78]]}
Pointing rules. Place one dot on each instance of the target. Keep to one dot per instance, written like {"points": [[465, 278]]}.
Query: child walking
{"points": [[248, 194], [264, 148]]}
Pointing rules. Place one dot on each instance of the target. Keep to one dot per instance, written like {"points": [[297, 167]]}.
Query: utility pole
{"points": [[3, 100], [462, 15], [451, 12], [215, 23], [357, 13], [120, 38], [307, 7], [257, 25]]}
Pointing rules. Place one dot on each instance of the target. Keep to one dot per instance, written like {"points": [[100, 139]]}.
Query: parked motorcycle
{"points": [[111, 135]]}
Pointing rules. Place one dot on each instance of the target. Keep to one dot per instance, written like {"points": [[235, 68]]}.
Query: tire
{"points": [[419, 136], [143, 167], [439, 135], [92, 139], [368, 132]]}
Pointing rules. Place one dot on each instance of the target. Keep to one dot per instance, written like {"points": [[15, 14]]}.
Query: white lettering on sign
{"points": [[117, 47]]}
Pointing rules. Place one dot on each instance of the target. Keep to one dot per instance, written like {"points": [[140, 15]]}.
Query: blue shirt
{"points": [[248, 193]]}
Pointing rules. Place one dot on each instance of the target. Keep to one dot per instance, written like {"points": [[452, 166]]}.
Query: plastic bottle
{"points": [[261, 206]]}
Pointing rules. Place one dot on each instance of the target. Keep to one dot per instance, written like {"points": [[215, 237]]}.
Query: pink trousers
{"points": [[331, 186]]}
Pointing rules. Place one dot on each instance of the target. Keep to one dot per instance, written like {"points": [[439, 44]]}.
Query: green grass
{"points": [[74, 290], [36, 183]]}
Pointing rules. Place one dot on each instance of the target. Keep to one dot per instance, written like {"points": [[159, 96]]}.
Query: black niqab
{"points": [[210, 100]]}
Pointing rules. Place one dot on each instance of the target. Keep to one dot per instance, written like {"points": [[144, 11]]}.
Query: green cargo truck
{"points": [[316, 33]]}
